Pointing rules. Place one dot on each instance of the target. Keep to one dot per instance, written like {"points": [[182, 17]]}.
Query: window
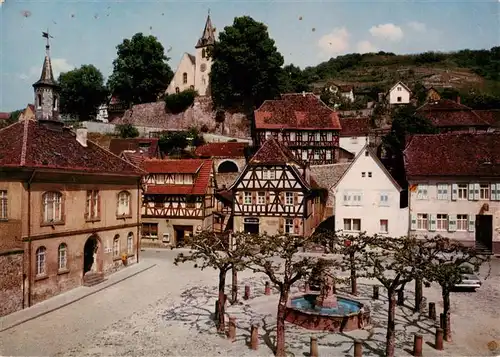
{"points": [[203, 80], [369, 174], [354, 139], [328, 155], [92, 209], [356, 198], [191, 87], [442, 222], [3, 205], [261, 198], [347, 198], [384, 199], [40, 261], [317, 137], [54, 103], [150, 230], [289, 198], [384, 226], [484, 192], [39, 104], [442, 191], [62, 256], [422, 192], [304, 155], [203, 53], [399, 89], [52, 207], [289, 226], [399, 99], [177, 90], [462, 222], [247, 198], [268, 174], [367, 153], [190, 201], [423, 221], [462, 191], [124, 203], [116, 246], [130, 243], [352, 224], [363, 174], [184, 78]]}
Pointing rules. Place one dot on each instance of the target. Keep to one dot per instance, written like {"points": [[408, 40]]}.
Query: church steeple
{"points": [[208, 36], [46, 89]]}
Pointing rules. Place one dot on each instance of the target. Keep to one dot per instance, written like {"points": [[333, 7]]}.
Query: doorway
{"points": [[182, 234], [251, 225], [484, 230], [90, 254]]}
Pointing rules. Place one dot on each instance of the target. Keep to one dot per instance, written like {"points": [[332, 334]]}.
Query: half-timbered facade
{"points": [[303, 123], [178, 200], [275, 193]]}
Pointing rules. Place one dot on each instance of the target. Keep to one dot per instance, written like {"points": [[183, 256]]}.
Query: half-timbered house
{"points": [[302, 122], [275, 193], [178, 200]]}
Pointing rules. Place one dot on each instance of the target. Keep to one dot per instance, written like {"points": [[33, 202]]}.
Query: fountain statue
{"points": [[327, 297]]}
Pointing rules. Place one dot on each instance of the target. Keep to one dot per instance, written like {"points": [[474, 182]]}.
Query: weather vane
{"points": [[48, 36]]}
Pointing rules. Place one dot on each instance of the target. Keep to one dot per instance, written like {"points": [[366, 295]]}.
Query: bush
{"points": [[179, 102], [127, 131]]}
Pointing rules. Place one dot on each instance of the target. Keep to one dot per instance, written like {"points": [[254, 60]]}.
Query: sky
{"points": [[306, 32]]}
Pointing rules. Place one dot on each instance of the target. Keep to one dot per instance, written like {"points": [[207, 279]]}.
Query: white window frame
{"points": [[92, 203], [116, 246], [462, 191], [149, 234], [52, 206], [289, 226], [422, 221], [347, 198], [357, 198], [384, 199], [462, 222], [442, 191], [247, 198], [350, 222], [288, 198], [261, 198], [3, 205], [123, 203], [41, 261], [484, 191], [268, 174], [423, 192], [382, 230], [62, 256], [441, 222], [130, 243]]}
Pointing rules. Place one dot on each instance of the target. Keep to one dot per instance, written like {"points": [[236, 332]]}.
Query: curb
{"points": [[75, 300]]}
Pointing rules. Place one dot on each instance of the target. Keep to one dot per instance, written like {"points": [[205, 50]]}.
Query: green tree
{"points": [[14, 116], [127, 131], [179, 102], [293, 80], [140, 71], [246, 66], [173, 141], [82, 92]]}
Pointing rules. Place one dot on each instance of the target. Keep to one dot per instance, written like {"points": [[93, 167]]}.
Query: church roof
{"points": [[208, 36], [47, 76]]}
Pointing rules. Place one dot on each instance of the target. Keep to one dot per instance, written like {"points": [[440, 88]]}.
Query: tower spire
{"points": [[208, 36]]}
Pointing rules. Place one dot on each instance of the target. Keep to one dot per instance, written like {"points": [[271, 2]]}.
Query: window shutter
{"points": [[240, 198], [87, 206], [419, 192], [452, 222], [472, 223], [296, 228], [494, 193], [439, 192], [281, 225], [444, 192], [254, 198], [471, 192], [63, 208], [98, 204], [413, 222], [454, 192], [432, 222], [476, 191], [295, 198], [267, 197], [282, 197]]}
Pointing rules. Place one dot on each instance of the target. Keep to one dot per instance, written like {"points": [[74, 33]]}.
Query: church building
{"points": [[193, 71], [69, 209]]}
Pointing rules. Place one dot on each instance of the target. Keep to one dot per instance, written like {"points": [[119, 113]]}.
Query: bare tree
{"points": [[213, 250]]}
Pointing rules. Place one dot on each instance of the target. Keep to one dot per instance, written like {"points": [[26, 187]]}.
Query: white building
{"points": [[354, 134], [345, 91], [399, 94], [194, 70], [455, 187], [367, 199]]}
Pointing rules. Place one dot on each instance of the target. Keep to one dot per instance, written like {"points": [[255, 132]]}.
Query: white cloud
{"points": [[365, 47], [389, 32], [59, 65], [335, 42], [417, 26]]}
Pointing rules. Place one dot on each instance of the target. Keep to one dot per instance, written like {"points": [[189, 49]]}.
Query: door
{"points": [[182, 234], [484, 230], [252, 228]]}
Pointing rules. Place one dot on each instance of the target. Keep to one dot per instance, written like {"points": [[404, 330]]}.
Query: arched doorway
{"points": [[227, 166], [91, 255]]}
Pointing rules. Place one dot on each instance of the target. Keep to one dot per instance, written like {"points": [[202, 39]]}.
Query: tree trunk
{"points": [[446, 310], [418, 294], [354, 283], [234, 287], [222, 312], [280, 322], [391, 324]]}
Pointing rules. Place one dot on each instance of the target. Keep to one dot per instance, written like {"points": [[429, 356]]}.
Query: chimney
{"points": [[458, 99], [303, 93], [81, 136]]}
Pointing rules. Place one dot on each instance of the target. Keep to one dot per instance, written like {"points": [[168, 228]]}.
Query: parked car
{"points": [[469, 279]]}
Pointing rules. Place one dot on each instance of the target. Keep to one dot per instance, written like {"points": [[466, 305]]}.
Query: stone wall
{"points": [[11, 283]]}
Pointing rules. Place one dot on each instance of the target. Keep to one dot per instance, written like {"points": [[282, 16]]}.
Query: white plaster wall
{"points": [[353, 144], [349, 95], [433, 205], [370, 211], [394, 94], [202, 78], [185, 66]]}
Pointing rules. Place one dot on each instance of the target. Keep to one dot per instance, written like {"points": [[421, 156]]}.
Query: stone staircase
{"points": [[482, 249], [91, 279]]}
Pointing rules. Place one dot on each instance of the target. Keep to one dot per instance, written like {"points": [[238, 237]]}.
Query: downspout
{"points": [[409, 209], [139, 195], [29, 238]]}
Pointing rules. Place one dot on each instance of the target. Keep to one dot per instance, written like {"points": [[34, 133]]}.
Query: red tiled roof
{"points": [[447, 113], [355, 126], [134, 158], [273, 152], [116, 146], [221, 150], [32, 107], [464, 154], [296, 111], [4, 116], [492, 117], [200, 168], [48, 145]]}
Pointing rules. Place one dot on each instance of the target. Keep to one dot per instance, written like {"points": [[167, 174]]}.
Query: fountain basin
{"points": [[301, 311]]}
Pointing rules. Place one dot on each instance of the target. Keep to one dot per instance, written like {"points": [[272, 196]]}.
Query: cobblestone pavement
{"points": [[166, 311]]}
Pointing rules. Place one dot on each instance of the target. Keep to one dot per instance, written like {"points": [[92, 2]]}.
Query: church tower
{"points": [[203, 63], [46, 89]]}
